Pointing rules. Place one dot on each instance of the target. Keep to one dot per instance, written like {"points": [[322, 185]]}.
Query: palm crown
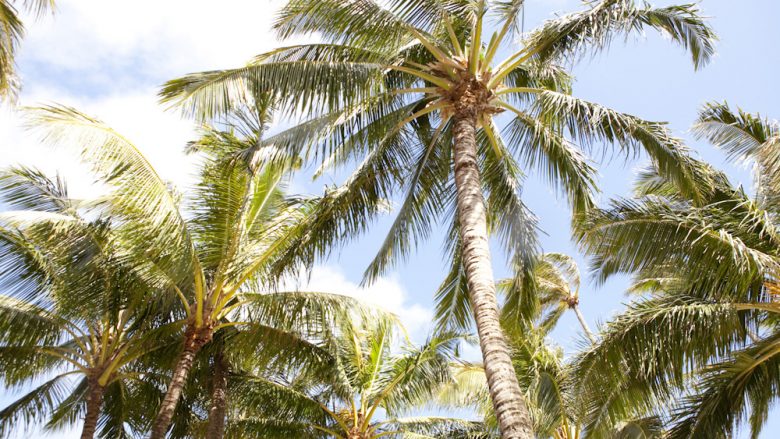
{"points": [[212, 255], [413, 89], [72, 308], [365, 385]]}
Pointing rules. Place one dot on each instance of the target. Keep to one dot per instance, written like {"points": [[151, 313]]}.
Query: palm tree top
{"points": [[388, 79]]}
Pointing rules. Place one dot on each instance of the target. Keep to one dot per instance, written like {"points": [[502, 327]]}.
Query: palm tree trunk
{"points": [[217, 411], [512, 414], [94, 404], [194, 339], [584, 324]]}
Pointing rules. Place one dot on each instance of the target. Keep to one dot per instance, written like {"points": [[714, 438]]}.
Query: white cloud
{"points": [[151, 36], [108, 58], [387, 293], [159, 135]]}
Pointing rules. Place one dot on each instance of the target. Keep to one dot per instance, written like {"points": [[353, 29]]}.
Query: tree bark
{"points": [[513, 417], [193, 341], [584, 324], [218, 409], [94, 404]]}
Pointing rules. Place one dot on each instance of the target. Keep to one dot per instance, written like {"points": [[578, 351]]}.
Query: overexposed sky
{"points": [[108, 58]]}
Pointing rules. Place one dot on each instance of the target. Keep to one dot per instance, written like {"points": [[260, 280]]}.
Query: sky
{"points": [[108, 58]]}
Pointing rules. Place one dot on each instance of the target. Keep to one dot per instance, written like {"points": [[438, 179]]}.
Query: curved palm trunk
{"points": [[217, 411], [194, 340], [94, 403], [584, 324], [512, 414]]}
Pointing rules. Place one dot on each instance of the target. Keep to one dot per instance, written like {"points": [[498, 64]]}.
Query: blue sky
{"points": [[109, 57]]}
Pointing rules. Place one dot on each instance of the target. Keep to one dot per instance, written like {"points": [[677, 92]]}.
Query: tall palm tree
{"points": [[702, 338], [212, 253], [414, 88], [51, 255], [11, 32]]}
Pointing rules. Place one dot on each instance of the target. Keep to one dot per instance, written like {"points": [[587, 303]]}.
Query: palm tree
{"points": [[702, 337], [410, 87], [281, 331], [211, 253], [11, 32], [50, 256], [558, 281], [363, 386], [556, 284]]}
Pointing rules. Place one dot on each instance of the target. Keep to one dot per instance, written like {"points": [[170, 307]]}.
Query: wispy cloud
{"points": [[387, 293]]}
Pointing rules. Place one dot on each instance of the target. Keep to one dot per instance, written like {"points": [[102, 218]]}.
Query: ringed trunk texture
{"points": [[513, 417], [218, 408], [194, 339], [94, 403]]}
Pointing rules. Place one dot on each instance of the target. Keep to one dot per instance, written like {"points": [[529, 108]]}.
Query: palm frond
{"points": [[725, 391], [139, 196], [307, 78], [589, 123], [646, 353], [29, 189], [638, 235], [31, 408], [576, 34], [541, 147]]}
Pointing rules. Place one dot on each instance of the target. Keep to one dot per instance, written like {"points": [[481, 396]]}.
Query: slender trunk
{"points": [[94, 404], [217, 411], [193, 341], [513, 418], [584, 324]]}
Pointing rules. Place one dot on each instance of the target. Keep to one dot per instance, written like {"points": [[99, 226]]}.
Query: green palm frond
{"points": [[432, 427], [542, 147], [29, 189], [415, 375], [23, 323], [453, 309], [576, 34], [638, 235], [31, 408], [745, 136], [424, 203], [589, 123], [297, 76], [661, 339], [139, 193], [744, 385], [11, 32]]}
